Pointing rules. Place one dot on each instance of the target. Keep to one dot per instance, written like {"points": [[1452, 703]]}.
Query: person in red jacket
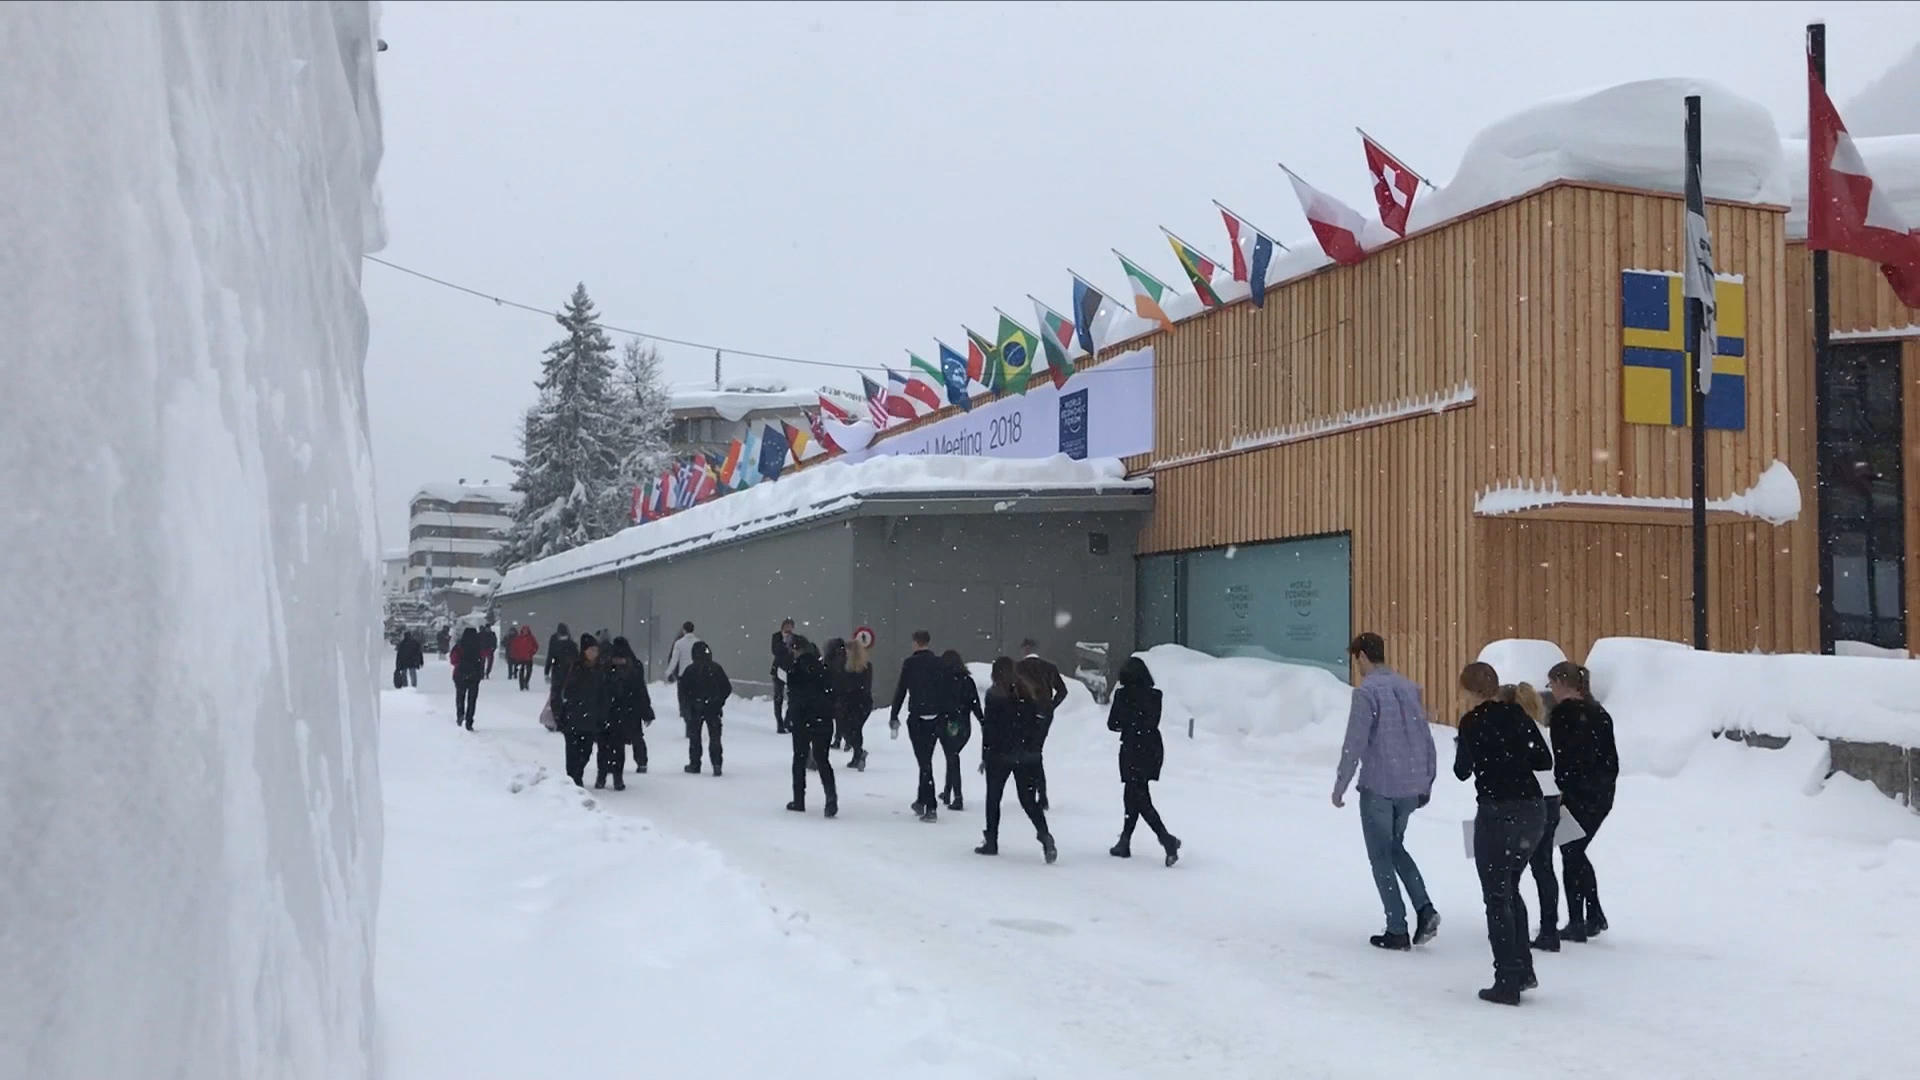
{"points": [[522, 647]]}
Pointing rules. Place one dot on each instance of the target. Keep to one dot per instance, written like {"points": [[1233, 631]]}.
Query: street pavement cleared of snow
{"points": [[1758, 931]]}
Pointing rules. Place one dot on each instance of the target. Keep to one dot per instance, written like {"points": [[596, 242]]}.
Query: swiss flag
{"points": [[1335, 224], [1393, 185], [1844, 211]]}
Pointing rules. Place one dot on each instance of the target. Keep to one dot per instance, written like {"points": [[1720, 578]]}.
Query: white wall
{"points": [[189, 797]]}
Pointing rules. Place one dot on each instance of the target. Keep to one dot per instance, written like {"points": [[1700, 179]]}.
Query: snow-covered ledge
{"points": [[1353, 420], [1773, 498]]}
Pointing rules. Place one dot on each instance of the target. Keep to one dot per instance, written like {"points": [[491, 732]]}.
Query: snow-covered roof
{"points": [[743, 394], [459, 493], [1774, 498], [820, 492]]}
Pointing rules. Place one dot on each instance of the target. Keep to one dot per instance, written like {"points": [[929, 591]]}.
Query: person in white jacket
{"points": [[1548, 940], [679, 659]]}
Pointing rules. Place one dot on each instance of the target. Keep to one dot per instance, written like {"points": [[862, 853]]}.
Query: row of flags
{"points": [[756, 457]]}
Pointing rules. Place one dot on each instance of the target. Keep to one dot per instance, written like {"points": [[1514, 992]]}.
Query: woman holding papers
{"points": [[1548, 940], [1586, 764], [1501, 748]]}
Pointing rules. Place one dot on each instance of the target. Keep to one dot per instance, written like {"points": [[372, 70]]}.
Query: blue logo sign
{"points": [[1073, 424]]}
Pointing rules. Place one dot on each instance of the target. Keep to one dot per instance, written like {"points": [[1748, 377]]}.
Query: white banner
{"points": [[1102, 412]]}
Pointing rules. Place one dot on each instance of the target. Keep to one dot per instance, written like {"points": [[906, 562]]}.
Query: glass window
{"points": [[1285, 600], [1157, 582]]}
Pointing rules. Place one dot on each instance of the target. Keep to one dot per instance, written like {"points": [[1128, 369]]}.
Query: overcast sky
{"points": [[844, 181]]}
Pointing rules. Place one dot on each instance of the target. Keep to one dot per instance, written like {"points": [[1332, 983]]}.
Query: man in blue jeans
{"points": [[1391, 745]]}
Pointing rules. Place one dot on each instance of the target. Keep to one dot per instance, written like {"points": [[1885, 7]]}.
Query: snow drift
{"points": [[188, 785]]}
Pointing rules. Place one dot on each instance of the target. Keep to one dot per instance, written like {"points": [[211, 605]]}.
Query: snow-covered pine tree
{"points": [[571, 443], [648, 412]]}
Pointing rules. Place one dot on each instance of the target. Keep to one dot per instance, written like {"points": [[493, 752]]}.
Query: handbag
{"points": [[546, 717], [399, 679]]}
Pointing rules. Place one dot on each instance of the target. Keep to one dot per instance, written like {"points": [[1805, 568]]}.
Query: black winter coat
{"points": [[408, 654], [704, 690], [1585, 761], [809, 692], [489, 640], [562, 652], [1056, 686], [962, 697], [586, 701], [923, 685], [1500, 746], [630, 707], [1010, 730], [1136, 716], [852, 691]]}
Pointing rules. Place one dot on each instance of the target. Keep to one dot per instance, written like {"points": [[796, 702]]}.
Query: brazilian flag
{"points": [[1016, 348]]}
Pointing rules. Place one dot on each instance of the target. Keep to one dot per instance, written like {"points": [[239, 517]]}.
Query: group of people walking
{"points": [[1526, 763]]}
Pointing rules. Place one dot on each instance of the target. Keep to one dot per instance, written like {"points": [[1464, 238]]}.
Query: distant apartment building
{"points": [[453, 534], [393, 571], [706, 419]]}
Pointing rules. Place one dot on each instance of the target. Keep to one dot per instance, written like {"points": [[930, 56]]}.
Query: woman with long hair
{"points": [[956, 724], [1500, 748], [1544, 882], [629, 711], [1010, 737], [1135, 714], [1586, 765], [810, 723], [851, 671]]}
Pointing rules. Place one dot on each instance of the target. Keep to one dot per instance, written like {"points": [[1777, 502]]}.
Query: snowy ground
{"points": [[1758, 931]]}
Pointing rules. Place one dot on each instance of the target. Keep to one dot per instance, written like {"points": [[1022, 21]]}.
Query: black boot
{"points": [[958, 804], [1172, 844], [694, 768], [1426, 926], [1596, 919], [798, 806], [1500, 994], [1391, 942], [833, 807], [1123, 849], [600, 782], [989, 846], [1576, 928], [619, 783], [860, 761], [1548, 940], [1047, 850]]}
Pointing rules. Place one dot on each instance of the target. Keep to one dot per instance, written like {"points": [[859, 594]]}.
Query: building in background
{"points": [[453, 535], [706, 419], [393, 571]]}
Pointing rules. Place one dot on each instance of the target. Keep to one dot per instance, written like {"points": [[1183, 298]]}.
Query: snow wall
{"points": [[188, 784]]}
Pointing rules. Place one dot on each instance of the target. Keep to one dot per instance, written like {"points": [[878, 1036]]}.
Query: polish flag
{"points": [[1845, 211], [1393, 185], [1335, 224]]}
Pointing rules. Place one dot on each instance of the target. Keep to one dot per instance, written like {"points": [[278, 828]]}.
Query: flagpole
{"points": [[1396, 157], [1697, 394], [1251, 225], [1822, 345]]}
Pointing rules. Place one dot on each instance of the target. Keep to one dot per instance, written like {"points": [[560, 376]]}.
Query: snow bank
{"points": [[1667, 698], [459, 493], [818, 492], [1892, 160], [1519, 660], [1773, 498], [1245, 698], [1632, 135], [188, 787]]}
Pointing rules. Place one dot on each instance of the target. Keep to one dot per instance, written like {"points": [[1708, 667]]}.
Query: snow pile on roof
{"points": [[1351, 420], [459, 493], [1518, 660], [1890, 105], [1773, 498], [741, 395], [1666, 698], [1632, 135], [1892, 160], [818, 492]]}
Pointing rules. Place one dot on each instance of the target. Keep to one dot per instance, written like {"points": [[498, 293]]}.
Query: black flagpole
{"points": [[1822, 328], [1695, 317]]}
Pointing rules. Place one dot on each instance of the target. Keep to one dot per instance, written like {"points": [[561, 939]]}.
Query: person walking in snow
{"points": [[629, 711], [1586, 765], [1056, 696], [704, 690], [1010, 738], [444, 640], [810, 712], [783, 639], [923, 689], [585, 710], [561, 653], [1135, 714], [955, 727], [679, 659], [522, 646], [489, 644], [469, 667], [851, 674], [1390, 743], [1541, 861], [1500, 747], [408, 658]]}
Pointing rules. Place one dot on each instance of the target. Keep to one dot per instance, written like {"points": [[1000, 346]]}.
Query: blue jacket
{"points": [[1388, 739]]}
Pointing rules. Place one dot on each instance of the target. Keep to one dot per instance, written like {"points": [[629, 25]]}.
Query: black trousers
{"points": [[488, 674], [1039, 765], [466, 693], [1542, 864], [1504, 836], [779, 705], [921, 730], [579, 751], [810, 739], [1026, 784], [613, 753], [526, 673], [853, 724], [1138, 797], [1583, 889], [953, 734], [639, 749], [412, 674], [711, 724]]}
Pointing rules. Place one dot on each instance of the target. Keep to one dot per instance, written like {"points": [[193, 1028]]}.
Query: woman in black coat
{"points": [[1500, 747], [1010, 738], [1136, 716], [1586, 765], [629, 711], [585, 705], [955, 728], [851, 673], [810, 724]]}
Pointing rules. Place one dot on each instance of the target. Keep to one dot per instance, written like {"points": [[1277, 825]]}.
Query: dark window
{"points": [[1862, 502], [1097, 543]]}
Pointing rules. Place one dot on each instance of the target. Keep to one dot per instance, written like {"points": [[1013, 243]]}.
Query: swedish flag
{"points": [[1653, 353]]}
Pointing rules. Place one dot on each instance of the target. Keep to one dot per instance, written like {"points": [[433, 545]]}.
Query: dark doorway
{"points": [[1863, 539]]}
